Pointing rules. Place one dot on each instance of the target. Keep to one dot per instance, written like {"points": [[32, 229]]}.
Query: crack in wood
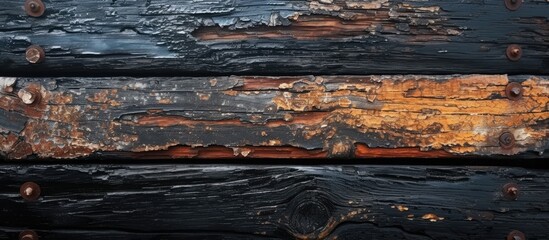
{"points": [[310, 116]]}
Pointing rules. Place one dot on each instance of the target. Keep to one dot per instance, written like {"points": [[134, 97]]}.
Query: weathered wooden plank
{"points": [[280, 117], [283, 202], [279, 37]]}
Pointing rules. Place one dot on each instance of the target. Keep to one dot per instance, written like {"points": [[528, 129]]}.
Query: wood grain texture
{"points": [[277, 37], [273, 117], [273, 202]]}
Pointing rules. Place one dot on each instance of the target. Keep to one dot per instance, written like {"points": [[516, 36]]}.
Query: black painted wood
{"points": [[273, 202], [277, 37]]}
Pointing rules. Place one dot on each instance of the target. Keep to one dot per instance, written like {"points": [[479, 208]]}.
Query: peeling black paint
{"points": [[159, 38]]}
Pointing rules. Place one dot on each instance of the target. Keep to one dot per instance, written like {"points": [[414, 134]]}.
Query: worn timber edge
{"points": [[274, 117], [275, 37], [274, 202]]}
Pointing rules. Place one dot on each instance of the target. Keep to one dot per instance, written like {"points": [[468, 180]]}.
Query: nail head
{"points": [[510, 191], [512, 4], [516, 235], [514, 91], [35, 54], [27, 97], [514, 52], [28, 235], [35, 8], [30, 191], [507, 140]]}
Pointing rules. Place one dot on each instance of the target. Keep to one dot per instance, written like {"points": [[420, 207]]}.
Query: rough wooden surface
{"points": [[279, 37], [274, 117], [273, 202]]}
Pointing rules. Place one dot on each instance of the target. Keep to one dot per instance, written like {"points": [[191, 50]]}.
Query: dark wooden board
{"points": [[278, 37], [273, 117], [267, 202]]}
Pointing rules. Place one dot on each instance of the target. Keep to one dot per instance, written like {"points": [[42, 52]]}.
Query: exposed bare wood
{"points": [[275, 37], [276, 117]]}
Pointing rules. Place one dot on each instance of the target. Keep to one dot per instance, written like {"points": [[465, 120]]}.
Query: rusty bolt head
{"points": [[35, 54], [512, 4], [514, 52], [513, 91], [28, 235], [30, 191], [35, 8], [507, 140], [510, 191], [516, 235], [8, 89], [27, 97]]}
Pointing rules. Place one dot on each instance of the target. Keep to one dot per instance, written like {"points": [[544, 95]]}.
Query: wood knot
{"points": [[309, 214]]}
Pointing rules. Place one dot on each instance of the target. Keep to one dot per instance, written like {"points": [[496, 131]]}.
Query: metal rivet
{"points": [[507, 140], [513, 91], [510, 191], [35, 8], [30, 191], [27, 96], [35, 54], [28, 235], [512, 4], [8, 89], [516, 235], [514, 52]]}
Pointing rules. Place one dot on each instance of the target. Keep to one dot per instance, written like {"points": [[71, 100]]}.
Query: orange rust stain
{"points": [[310, 27], [459, 115], [47, 139], [105, 96], [401, 208], [220, 152], [417, 115], [340, 148], [168, 121], [61, 98], [366, 5], [363, 151], [7, 142], [305, 28], [251, 83], [231, 92], [204, 96], [432, 217], [165, 101], [11, 102], [20, 150], [314, 100], [346, 19]]}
